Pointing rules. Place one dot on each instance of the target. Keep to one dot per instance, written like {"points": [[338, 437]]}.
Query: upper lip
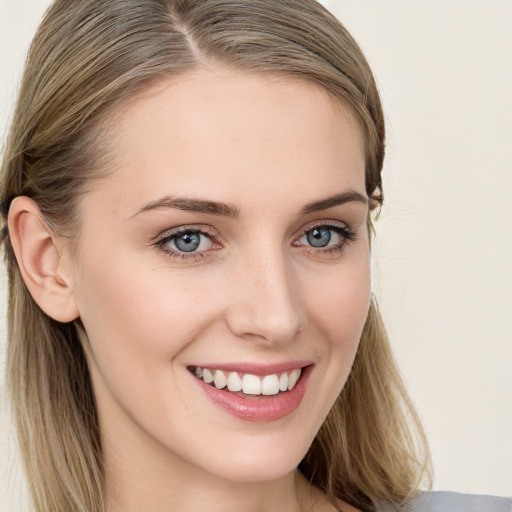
{"points": [[256, 368]]}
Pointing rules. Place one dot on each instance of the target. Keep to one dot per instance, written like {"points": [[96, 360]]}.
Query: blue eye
{"points": [[319, 237], [326, 237], [187, 241]]}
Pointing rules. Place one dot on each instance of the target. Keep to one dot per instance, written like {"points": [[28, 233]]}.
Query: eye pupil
{"points": [[188, 242], [319, 237]]}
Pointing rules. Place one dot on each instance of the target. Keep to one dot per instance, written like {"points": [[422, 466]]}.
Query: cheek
{"points": [[339, 306], [137, 318], [338, 312]]}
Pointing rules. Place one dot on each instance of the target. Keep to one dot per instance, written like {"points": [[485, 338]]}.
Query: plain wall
{"points": [[442, 264]]}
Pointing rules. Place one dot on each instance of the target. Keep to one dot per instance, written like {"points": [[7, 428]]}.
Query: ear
{"points": [[43, 259]]}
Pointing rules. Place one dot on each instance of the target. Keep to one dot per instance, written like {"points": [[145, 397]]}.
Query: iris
{"points": [[188, 242], [319, 237]]}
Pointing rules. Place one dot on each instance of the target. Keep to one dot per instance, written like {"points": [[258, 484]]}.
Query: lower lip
{"points": [[261, 408]]}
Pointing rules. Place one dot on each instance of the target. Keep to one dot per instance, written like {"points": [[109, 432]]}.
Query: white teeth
{"points": [[251, 384], [207, 376], [293, 378], [283, 382], [234, 382], [219, 380], [270, 385]]}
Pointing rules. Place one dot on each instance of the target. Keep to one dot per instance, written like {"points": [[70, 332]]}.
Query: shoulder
{"points": [[444, 501]]}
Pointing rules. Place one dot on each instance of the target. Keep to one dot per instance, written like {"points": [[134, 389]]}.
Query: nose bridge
{"points": [[267, 305]]}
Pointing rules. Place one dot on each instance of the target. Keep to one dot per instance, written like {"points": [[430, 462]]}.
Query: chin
{"points": [[258, 459]]}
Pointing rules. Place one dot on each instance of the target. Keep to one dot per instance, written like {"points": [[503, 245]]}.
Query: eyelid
{"points": [[343, 229], [333, 224], [164, 237], [177, 230]]}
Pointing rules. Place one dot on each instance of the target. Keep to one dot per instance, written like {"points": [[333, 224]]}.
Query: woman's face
{"points": [[229, 239]]}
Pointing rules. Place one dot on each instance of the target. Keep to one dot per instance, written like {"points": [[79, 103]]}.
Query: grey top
{"points": [[443, 501]]}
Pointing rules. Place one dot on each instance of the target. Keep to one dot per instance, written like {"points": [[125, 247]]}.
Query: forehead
{"points": [[221, 133]]}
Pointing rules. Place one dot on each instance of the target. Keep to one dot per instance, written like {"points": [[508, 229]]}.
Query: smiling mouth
{"points": [[247, 384]]}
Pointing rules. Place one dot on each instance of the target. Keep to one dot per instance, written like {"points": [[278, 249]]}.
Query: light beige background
{"points": [[443, 268]]}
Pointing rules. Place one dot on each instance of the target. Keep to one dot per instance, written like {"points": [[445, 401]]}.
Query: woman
{"points": [[187, 194]]}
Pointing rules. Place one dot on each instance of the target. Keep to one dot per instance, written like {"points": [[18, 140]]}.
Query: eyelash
{"points": [[346, 237], [345, 233], [174, 235]]}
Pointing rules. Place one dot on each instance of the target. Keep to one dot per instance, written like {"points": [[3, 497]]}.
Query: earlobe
{"points": [[41, 259]]}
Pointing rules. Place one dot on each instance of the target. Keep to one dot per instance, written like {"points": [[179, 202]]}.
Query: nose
{"points": [[266, 305]]}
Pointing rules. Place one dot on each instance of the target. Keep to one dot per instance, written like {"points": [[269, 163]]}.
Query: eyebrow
{"points": [[192, 205], [231, 211], [347, 196]]}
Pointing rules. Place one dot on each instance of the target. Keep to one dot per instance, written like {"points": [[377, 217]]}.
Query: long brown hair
{"points": [[87, 58]]}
